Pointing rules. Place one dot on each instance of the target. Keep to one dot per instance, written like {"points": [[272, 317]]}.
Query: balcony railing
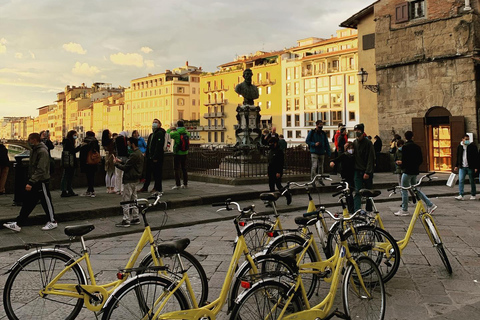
{"points": [[216, 102], [215, 88]]}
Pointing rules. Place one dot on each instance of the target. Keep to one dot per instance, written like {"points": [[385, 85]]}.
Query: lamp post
{"points": [[362, 77]]}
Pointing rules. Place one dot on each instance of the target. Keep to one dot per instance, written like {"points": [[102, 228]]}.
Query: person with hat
{"points": [[319, 146], [364, 165]]}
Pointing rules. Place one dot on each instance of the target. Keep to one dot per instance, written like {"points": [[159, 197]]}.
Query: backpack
{"points": [[93, 157], [184, 142]]}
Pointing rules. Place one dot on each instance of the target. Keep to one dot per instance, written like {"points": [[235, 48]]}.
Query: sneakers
{"points": [[175, 187], [289, 197], [49, 226], [473, 198], [135, 221], [12, 226], [184, 186], [92, 195], [432, 208], [123, 224], [401, 213], [86, 194], [459, 197], [64, 195]]}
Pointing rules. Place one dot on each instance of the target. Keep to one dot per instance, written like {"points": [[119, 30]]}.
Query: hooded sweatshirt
{"points": [[175, 135], [39, 164]]}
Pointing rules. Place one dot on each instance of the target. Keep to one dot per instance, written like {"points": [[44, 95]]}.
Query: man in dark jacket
{"points": [[467, 163], [411, 160], [275, 168], [4, 167], [154, 157], [319, 146], [364, 165], [132, 169], [37, 186]]}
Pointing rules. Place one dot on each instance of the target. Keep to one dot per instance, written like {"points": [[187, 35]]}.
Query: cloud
{"points": [[74, 47], [146, 49], [83, 69], [128, 59], [18, 55], [32, 54], [3, 47], [150, 63]]}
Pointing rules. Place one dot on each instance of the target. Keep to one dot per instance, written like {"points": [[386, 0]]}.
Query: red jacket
{"points": [[335, 139]]}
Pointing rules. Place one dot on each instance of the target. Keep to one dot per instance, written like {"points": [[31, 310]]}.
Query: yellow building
{"points": [[77, 99], [107, 113], [170, 96], [219, 99], [319, 78]]}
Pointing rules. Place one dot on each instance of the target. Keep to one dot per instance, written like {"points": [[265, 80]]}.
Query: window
{"points": [[269, 90], [222, 136], [351, 116], [209, 137], [368, 41], [180, 101], [288, 105], [297, 104], [297, 72], [310, 85], [417, 9], [288, 89], [297, 120], [309, 119], [351, 97], [259, 77], [336, 117], [351, 63], [401, 12], [269, 104], [193, 102], [298, 134], [297, 87], [289, 120], [259, 91], [216, 136], [193, 90], [351, 79], [166, 90], [289, 73], [322, 116], [289, 134]]}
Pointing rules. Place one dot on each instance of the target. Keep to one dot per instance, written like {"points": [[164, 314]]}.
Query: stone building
{"points": [[426, 61]]}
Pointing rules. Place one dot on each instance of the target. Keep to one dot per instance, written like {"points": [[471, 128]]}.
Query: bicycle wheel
{"points": [[256, 236], [265, 301], [385, 251], [293, 240], [141, 297], [196, 273], [265, 264], [358, 303], [21, 296], [437, 242]]}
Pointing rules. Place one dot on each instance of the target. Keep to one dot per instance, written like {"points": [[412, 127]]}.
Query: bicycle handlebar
{"points": [[228, 202], [144, 202], [322, 209], [428, 175], [306, 184]]}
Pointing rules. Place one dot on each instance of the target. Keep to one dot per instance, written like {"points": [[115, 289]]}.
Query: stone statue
{"points": [[246, 89]]}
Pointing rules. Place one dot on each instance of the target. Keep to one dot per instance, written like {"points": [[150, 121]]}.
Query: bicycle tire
{"points": [[356, 303], [255, 304], [283, 242], [437, 243], [255, 236], [135, 299], [196, 273], [21, 298], [265, 264], [388, 263]]}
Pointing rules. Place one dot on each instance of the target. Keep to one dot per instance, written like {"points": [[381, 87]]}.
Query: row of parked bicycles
{"points": [[273, 274]]}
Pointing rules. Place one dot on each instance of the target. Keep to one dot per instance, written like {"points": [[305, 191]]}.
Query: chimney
{"points": [[186, 63]]}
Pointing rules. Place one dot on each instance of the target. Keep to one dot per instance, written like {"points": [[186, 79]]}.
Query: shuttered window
{"points": [[401, 12]]}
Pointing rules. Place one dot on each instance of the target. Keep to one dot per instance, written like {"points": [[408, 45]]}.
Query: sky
{"points": [[46, 45]]}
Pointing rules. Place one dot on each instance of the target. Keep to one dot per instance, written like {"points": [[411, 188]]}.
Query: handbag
{"points": [[93, 157], [452, 180], [68, 159]]}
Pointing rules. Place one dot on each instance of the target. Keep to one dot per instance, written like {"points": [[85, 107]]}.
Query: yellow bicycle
{"points": [[50, 283]]}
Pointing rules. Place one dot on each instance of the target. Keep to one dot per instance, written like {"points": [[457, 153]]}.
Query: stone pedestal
{"points": [[248, 131], [249, 165]]}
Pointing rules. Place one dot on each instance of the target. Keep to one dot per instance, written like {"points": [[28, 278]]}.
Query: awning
{"points": [[265, 118]]}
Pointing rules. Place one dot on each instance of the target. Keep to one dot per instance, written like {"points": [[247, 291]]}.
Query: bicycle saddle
{"points": [[270, 196], [370, 193], [173, 247], [303, 221], [78, 231]]}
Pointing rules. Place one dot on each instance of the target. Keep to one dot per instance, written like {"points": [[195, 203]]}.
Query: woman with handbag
{"points": [[89, 160], [69, 162]]}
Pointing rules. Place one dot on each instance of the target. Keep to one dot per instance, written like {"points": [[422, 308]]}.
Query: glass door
{"points": [[441, 145]]}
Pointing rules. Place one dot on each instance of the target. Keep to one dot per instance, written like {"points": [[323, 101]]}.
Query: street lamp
{"points": [[362, 77]]}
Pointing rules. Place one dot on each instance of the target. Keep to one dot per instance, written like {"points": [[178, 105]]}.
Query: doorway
{"points": [[440, 148]]}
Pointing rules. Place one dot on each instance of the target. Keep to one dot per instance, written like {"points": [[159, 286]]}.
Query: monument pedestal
{"points": [[245, 165]]}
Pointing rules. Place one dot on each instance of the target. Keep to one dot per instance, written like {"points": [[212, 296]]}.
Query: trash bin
{"points": [[21, 175]]}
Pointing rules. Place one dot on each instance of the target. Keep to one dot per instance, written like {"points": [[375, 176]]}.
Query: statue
{"points": [[246, 89]]}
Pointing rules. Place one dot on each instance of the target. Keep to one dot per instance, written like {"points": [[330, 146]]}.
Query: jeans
{"points": [[461, 177], [317, 164], [361, 183], [407, 181]]}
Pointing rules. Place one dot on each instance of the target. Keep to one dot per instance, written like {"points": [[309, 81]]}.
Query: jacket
{"points": [[313, 137], [69, 146], [142, 145], [175, 135], [132, 168], [347, 166], [155, 144], [4, 160], [398, 157], [411, 158], [472, 156], [364, 155], [39, 164], [276, 159]]}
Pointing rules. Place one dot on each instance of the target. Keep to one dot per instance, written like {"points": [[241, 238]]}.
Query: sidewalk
{"points": [[185, 207]]}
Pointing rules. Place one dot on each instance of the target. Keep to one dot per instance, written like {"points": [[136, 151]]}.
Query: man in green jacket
{"points": [[132, 173], [180, 150]]}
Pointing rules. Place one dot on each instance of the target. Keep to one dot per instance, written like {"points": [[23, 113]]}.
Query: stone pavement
{"points": [[185, 207], [421, 289]]}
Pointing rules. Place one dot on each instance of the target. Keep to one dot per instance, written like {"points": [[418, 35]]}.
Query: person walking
{"points": [[377, 146], [69, 163], [154, 156], [319, 146], [37, 187], [364, 165], [181, 138], [132, 169], [109, 146], [276, 161], [4, 167], [467, 164], [346, 164], [411, 160], [121, 152], [89, 160]]}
